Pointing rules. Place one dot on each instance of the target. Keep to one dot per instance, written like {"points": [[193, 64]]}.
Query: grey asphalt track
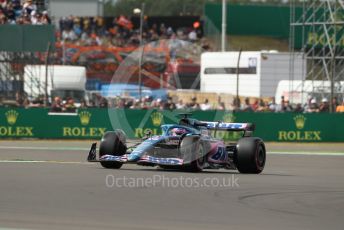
{"points": [[48, 185]]}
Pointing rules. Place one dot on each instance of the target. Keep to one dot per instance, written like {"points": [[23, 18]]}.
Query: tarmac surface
{"points": [[49, 185]]}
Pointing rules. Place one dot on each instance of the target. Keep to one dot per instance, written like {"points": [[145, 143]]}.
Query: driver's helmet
{"points": [[178, 131]]}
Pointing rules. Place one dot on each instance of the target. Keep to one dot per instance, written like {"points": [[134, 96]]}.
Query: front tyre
{"points": [[199, 159], [113, 143], [250, 155], [194, 153]]}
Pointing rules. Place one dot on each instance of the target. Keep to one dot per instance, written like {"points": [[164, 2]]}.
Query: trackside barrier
{"points": [[18, 123]]}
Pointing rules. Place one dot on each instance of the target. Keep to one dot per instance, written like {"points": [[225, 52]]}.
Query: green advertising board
{"points": [[272, 21], [258, 20], [93, 123], [26, 38]]}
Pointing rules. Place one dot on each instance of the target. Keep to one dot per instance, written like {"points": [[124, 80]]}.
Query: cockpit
{"points": [[177, 130]]}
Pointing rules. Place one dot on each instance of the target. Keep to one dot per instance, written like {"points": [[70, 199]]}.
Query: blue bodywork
{"points": [[149, 143], [164, 149]]}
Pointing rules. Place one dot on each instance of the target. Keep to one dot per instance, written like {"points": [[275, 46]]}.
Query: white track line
{"points": [[44, 161], [308, 153], [13, 229], [45, 148]]}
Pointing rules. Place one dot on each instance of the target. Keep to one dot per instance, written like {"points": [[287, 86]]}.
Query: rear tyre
{"points": [[250, 155], [113, 143], [194, 153]]}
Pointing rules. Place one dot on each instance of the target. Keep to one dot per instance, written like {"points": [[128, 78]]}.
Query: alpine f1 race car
{"points": [[191, 145]]}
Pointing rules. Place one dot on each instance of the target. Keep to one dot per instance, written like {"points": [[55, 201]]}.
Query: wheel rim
{"points": [[261, 157], [200, 156]]}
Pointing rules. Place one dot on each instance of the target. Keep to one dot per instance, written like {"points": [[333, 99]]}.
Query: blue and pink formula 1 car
{"points": [[190, 145]]}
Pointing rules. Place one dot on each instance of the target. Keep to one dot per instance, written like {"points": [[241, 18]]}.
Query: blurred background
{"points": [[272, 56]]}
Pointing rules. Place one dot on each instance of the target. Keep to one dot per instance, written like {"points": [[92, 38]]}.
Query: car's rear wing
{"points": [[248, 128]]}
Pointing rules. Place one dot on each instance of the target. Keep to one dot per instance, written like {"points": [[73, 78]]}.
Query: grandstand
{"points": [[173, 45]]}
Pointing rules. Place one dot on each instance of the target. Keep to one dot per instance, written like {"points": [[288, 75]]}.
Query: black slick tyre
{"points": [[113, 143], [250, 155]]}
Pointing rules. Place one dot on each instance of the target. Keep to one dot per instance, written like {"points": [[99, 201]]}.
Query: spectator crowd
{"points": [[22, 12], [311, 106], [258, 105], [96, 31], [120, 32], [89, 31]]}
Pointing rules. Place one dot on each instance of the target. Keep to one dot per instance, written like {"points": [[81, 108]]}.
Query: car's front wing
{"points": [[125, 158]]}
